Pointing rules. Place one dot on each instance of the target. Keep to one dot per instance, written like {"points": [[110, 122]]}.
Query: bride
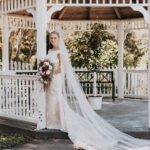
{"points": [[68, 109]]}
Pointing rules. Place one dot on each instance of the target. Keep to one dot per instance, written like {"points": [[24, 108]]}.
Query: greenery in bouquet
{"points": [[45, 72]]}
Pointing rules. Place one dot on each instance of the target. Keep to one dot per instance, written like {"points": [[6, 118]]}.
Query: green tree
{"points": [[0, 45], [90, 49], [135, 49], [22, 44]]}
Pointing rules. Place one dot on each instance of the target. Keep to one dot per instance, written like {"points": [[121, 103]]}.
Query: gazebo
{"points": [[18, 92]]}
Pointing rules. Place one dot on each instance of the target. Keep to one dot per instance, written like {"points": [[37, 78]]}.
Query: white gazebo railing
{"points": [[18, 97], [18, 92], [15, 5], [102, 3], [135, 83], [14, 65]]}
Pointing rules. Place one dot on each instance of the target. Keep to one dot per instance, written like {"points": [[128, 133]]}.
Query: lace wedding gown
{"points": [[54, 95], [68, 110]]}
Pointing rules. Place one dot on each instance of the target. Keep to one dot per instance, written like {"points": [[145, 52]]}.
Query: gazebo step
{"points": [[17, 123], [139, 134], [8, 125], [50, 134]]}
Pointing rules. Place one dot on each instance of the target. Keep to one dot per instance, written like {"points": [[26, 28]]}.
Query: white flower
{"points": [[45, 82], [41, 80], [40, 68], [48, 72], [50, 67], [46, 63]]}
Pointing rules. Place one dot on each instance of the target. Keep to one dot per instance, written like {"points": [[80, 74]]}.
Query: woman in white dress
{"points": [[68, 109], [54, 91]]}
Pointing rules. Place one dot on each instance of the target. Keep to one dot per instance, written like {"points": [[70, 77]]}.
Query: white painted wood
{"points": [[41, 25], [51, 11], [14, 98], [20, 66], [94, 84], [136, 84], [142, 10], [5, 46], [120, 59], [148, 74], [26, 99], [16, 5], [93, 4], [71, 26]]}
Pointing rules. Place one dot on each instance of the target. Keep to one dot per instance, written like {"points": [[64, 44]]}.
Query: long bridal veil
{"points": [[85, 127]]}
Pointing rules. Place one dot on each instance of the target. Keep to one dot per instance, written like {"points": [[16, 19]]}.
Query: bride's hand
{"points": [[57, 71]]}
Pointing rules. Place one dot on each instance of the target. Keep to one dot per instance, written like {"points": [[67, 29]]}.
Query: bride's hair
{"points": [[55, 32], [49, 45]]}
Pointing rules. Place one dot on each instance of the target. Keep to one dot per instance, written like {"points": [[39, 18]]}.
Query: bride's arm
{"points": [[58, 69]]}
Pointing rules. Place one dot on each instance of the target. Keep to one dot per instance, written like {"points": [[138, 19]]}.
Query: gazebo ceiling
{"points": [[92, 13]]}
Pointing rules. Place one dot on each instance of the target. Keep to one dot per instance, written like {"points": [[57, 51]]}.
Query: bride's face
{"points": [[54, 39]]}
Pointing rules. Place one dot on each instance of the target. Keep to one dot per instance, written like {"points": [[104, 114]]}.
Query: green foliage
{"points": [[0, 45], [92, 49], [7, 141], [135, 49], [95, 49], [22, 44], [98, 48]]}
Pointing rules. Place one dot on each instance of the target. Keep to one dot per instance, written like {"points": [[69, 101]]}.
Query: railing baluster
{"points": [[1, 98], [17, 96], [23, 97], [13, 97]]}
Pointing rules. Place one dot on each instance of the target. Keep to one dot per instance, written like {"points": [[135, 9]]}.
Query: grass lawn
{"points": [[14, 139]]}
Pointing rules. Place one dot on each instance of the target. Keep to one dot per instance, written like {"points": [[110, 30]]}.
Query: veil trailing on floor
{"points": [[85, 127]]}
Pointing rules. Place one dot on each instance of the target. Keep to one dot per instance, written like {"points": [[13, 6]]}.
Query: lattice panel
{"points": [[135, 24], [67, 26], [20, 22], [99, 2], [81, 26]]}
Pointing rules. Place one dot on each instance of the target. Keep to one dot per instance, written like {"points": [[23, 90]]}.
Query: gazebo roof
{"points": [[92, 13]]}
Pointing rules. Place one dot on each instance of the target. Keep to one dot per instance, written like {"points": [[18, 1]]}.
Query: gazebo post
{"points": [[148, 74], [41, 11], [120, 30], [5, 40], [42, 17]]}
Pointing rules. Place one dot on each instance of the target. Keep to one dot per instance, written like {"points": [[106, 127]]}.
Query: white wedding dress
{"points": [[68, 110], [54, 95]]}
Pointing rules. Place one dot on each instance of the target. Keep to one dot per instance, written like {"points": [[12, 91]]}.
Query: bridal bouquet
{"points": [[45, 72]]}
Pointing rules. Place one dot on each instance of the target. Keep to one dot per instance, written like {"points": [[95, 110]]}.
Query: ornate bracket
{"points": [[143, 11], [33, 12], [52, 10]]}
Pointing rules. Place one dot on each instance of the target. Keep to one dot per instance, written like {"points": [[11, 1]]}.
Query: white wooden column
{"points": [[41, 11], [5, 41], [148, 71], [120, 59]]}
